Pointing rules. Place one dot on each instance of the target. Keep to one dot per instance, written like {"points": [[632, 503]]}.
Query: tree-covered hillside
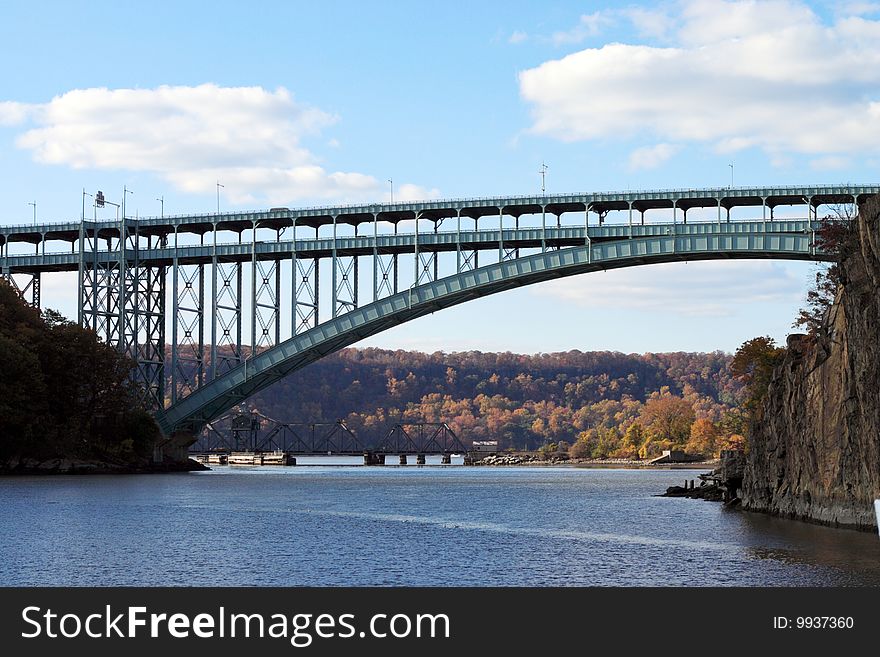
{"points": [[63, 393], [600, 403]]}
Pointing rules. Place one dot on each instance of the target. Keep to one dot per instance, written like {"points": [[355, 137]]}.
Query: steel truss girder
{"points": [[421, 438], [123, 302], [226, 351], [188, 340], [226, 433], [149, 333], [306, 285], [385, 275], [29, 291], [345, 284], [427, 267], [265, 304], [312, 438], [468, 260]]}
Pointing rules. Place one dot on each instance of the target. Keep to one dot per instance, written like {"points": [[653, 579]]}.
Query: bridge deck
{"points": [[403, 243], [435, 210], [124, 267]]}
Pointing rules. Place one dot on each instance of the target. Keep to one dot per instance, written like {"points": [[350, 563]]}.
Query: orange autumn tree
{"points": [[667, 419]]}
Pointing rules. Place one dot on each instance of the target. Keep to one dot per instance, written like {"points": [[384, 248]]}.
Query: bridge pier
{"points": [[175, 448], [402, 459], [446, 459], [372, 458], [420, 459]]}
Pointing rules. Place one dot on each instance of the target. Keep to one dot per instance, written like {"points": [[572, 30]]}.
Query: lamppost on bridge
{"points": [[218, 195], [543, 172], [94, 206], [34, 204], [391, 182], [125, 192], [731, 174], [161, 200]]}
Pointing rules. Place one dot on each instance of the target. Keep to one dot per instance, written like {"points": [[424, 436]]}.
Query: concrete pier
{"points": [[420, 459], [402, 459]]}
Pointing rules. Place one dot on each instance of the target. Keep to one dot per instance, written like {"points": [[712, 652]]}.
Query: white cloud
{"points": [[651, 157], [857, 8], [829, 163], [517, 37], [589, 25], [12, 113], [652, 23], [408, 192], [743, 74], [694, 289], [249, 138]]}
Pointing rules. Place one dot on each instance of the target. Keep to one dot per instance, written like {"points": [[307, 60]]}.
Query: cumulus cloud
{"points": [[857, 8], [652, 23], [250, 138], [829, 163], [12, 113], [589, 25], [769, 74], [651, 157], [695, 289]]}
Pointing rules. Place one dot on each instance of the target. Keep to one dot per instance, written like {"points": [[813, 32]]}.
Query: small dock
{"points": [[246, 458]]}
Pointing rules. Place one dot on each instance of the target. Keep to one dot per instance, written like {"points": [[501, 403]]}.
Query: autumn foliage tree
{"points": [[593, 401], [753, 365], [63, 392], [667, 417], [832, 237]]}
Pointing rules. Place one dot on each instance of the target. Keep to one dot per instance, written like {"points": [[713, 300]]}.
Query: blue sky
{"points": [[309, 103]]}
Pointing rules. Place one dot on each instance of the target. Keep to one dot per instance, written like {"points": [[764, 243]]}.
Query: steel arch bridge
{"points": [[323, 278]]}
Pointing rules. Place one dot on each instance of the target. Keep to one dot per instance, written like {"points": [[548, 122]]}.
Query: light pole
{"points": [[35, 211], [391, 182], [543, 172], [218, 195], [161, 200], [731, 174], [94, 206], [125, 192]]}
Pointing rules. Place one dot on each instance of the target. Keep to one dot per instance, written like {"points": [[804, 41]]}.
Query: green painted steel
{"points": [[122, 261], [404, 243], [273, 364]]}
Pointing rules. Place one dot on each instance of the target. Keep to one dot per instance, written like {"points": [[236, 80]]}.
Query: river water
{"points": [[434, 525]]}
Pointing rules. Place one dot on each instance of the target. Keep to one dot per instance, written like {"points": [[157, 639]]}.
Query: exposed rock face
{"points": [[815, 454]]}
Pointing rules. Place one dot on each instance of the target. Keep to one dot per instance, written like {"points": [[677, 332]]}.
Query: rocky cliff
{"points": [[814, 454]]}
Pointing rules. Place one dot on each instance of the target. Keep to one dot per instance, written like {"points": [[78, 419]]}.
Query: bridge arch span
{"points": [[267, 367]]}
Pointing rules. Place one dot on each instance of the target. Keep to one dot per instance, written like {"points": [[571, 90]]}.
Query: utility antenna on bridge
{"points": [[543, 172]]}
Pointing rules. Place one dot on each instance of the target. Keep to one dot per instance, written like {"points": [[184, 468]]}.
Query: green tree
{"points": [[753, 365], [63, 392]]}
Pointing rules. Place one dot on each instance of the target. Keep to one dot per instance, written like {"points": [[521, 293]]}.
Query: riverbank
{"points": [[68, 466], [532, 459]]}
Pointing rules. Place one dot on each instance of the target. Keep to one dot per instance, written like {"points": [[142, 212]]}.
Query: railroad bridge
{"points": [[246, 298]]}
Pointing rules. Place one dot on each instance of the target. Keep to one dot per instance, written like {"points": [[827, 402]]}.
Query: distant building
{"points": [[485, 446], [676, 456]]}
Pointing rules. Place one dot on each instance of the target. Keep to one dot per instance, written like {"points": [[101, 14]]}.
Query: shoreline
{"points": [[519, 460], [28, 467]]}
